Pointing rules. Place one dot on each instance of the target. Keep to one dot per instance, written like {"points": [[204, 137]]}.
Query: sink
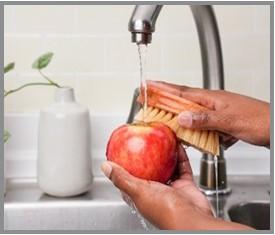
{"points": [[254, 214], [26, 207]]}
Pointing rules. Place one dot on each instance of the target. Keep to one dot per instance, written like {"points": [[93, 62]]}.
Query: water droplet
{"points": [[134, 210]]}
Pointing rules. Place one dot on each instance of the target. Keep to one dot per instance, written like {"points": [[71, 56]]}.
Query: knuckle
{"points": [[200, 119]]}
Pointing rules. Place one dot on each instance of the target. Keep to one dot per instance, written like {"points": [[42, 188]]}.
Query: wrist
{"points": [[201, 221]]}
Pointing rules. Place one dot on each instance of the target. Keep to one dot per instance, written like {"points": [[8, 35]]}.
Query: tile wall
{"points": [[94, 55]]}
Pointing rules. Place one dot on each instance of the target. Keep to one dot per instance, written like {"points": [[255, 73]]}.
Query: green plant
{"points": [[6, 136], [39, 64]]}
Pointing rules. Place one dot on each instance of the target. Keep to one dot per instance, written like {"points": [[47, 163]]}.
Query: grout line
{"points": [[124, 35], [111, 74], [126, 74], [75, 19], [67, 35]]}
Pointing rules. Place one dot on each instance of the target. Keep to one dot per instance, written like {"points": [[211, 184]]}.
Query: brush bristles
{"points": [[203, 140]]}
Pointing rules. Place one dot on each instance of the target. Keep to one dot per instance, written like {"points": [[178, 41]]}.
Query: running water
{"points": [[146, 226], [217, 185], [142, 51]]}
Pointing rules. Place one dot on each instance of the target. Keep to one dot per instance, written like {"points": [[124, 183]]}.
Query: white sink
{"points": [[27, 208]]}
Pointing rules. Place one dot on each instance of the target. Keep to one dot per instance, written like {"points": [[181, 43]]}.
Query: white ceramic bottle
{"points": [[64, 159]]}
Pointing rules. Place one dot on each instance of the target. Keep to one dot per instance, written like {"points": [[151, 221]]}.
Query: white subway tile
{"points": [[106, 94], [11, 81], [103, 19], [94, 40], [261, 84], [44, 18], [175, 19], [180, 54], [8, 50], [191, 78], [262, 19], [23, 51], [246, 52], [121, 55], [76, 54], [8, 19], [239, 82], [235, 18]]}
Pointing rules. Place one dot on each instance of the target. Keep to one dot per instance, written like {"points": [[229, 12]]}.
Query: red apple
{"points": [[147, 151]]}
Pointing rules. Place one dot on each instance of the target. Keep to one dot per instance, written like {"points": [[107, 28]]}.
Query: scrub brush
{"points": [[164, 107]]}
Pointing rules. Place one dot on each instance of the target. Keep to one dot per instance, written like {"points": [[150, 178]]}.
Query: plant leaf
{"points": [[7, 135], [42, 61], [9, 67]]}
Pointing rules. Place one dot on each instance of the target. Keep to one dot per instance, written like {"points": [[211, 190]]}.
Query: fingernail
{"points": [[106, 169], [185, 118]]}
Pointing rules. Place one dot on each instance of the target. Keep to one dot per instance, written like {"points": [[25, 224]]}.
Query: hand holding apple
{"points": [[147, 150]]}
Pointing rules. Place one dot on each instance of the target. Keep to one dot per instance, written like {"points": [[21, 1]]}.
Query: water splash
{"points": [[135, 211]]}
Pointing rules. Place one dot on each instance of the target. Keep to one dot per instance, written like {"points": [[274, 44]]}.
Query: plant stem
{"points": [[48, 79], [26, 85], [7, 135]]}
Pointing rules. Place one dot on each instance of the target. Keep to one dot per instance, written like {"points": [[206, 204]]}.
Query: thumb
{"points": [[121, 178], [200, 120]]}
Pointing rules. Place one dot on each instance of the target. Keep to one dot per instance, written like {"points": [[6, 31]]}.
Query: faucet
{"points": [[142, 25]]}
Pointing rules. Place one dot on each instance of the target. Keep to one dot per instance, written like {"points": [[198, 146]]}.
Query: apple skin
{"points": [[147, 151]]}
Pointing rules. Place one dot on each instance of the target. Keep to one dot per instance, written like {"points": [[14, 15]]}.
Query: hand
{"points": [[178, 206], [235, 116]]}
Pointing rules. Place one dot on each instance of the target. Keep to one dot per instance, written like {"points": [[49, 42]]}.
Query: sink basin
{"points": [[254, 214], [26, 207]]}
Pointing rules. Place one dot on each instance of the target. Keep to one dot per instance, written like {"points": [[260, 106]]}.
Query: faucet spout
{"points": [[142, 23]]}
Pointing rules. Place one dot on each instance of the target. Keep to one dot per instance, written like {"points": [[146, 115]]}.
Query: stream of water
{"points": [[142, 51], [145, 225]]}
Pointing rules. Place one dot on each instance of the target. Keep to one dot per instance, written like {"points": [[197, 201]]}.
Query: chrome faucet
{"points": [[142, 25]]}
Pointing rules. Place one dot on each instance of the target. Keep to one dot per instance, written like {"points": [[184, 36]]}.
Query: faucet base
{"points": [[211, 192], [209, 181]]}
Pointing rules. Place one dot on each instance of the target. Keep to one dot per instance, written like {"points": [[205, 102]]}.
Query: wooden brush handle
{"points": [[166, 101]]}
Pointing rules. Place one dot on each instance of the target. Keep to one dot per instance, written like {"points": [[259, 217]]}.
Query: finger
{"points": [[121, 178], [207, 120], [200, 96], [199, 120], [184, 167]]}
